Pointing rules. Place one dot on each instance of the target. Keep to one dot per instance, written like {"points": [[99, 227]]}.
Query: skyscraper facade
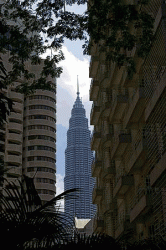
{"points": [[78, 160]]}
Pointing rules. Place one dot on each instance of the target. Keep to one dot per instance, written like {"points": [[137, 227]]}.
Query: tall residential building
{"points": [[29, 136], [78, 160], [129, 118]]}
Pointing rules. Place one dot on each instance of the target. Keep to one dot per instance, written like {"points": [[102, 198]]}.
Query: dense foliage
{"points": [[29, 27], [118, 28]]}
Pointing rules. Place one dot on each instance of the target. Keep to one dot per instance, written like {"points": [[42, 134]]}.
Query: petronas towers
{"points": [[78, 160]]}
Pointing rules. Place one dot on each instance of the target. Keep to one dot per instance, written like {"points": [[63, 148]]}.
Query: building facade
{"points": [[78, 159], [129, 118], [29, 137]]}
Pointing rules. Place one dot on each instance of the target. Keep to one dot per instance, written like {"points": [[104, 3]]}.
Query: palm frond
{"points": [[28, 223]]}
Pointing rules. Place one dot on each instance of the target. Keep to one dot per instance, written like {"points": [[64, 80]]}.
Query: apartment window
{"points": [[41, 137], [40, 97], [46, 148], [45, 191], [14, 131], [45, 158], [13, 153], [41, 169], [15, 120], [31, 148], [13, 142], [44, 117], [38, 117], [41, 127], [31, 158], [45, 180], [42, 107]]}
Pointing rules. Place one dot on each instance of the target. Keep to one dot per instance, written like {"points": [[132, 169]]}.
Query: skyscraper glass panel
{"points": [[78, 160]]}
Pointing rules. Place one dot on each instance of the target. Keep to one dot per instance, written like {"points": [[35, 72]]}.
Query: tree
{"points": [[27, 29], [26, 223], [119, 27]]}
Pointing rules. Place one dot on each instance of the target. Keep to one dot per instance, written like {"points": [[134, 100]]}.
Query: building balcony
{"points": [[138, 155], [14, 137], [107, 108], [120, 142], [95, 140], [93, 47], [96, 168], [15, 159], [94, 90], [161, 85], [95, 114], [136, 108], [110, 207], [122, 185], [14, 148], [141, 207], [158, 170], [94, 63], [98, 224], [15, 126], [109, 169], [15, 96], [16, 116], [108, 173], [18, 107], [104, 78], [122, 226], [107, 140], [97, 195], [118, 106]]}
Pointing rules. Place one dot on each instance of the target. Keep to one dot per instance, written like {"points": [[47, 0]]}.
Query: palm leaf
{"points": [[29, 224]]}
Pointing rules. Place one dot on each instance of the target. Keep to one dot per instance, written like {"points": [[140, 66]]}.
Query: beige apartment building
{"points": [[129, 139], [29, 137]]}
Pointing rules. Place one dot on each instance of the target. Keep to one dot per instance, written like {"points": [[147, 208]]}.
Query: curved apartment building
{"points": [[30, 136], [39, 140], [14, 135]]}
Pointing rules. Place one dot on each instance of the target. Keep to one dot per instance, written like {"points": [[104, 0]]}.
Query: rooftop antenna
{"points": [[77, 86]]}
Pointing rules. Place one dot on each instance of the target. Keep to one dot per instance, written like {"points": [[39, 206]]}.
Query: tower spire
{"points": [[77, 87]]}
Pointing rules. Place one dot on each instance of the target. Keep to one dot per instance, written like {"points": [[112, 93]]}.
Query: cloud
{"points": [[72, 66], [67, 86]]}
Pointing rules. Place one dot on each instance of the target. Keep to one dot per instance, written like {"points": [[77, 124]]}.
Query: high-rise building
{"points": [[78, 160], [129, 118], [28, 138]]}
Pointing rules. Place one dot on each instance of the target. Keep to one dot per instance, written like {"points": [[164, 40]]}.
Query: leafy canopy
{"points": [[29, 27], [118, 27]]}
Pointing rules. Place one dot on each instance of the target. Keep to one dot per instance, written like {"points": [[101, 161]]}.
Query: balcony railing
{"points": [[120, 140], [95, 113], [96, 167], [95, 140], [136, 156], [120, 99], [93, 66], [98, 224], [122, 224], [123, 184], [97, 194], [142, 203], [135, 108], [94, 89]]}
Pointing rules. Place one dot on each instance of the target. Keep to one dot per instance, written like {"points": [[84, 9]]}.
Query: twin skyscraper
{"points": [[78, 161]]}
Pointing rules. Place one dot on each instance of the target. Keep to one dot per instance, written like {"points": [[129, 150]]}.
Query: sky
{"points": [[75, 63]]}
